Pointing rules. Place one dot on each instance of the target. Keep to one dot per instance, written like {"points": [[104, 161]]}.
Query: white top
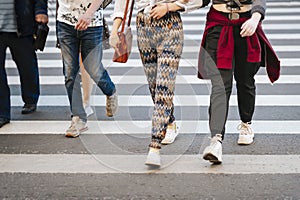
{"points": [[70, 10], [146, 5]]}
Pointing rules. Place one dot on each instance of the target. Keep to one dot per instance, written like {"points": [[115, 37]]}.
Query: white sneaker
{"points": [[111, 104], [77, 127], [246, 135], [88, 110], [171, 134], [213, 152], [153, 158]]}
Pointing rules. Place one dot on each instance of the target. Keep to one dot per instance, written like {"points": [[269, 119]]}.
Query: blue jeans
{"points": [[23, 53], [89, 43]]}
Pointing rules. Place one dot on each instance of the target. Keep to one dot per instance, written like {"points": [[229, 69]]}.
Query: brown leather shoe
{"points": [[28, 108]]}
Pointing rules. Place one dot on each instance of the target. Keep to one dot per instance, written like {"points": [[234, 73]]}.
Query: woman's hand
{"points": [[114, 40], [159, 10], [248, 28], [83, 22], [41, 18]]}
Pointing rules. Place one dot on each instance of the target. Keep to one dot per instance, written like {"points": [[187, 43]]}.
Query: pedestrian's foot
{"points": [[171, 134], [77, 127], [112, 104], [246, 135], [213, 152], [153, 158], [28, 108], [3, 121]]}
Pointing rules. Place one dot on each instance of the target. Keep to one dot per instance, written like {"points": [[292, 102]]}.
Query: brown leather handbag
{"points": [[125, 37]]}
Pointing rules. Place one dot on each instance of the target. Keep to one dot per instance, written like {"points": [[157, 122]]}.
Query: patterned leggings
{"points": [[160, 43]]}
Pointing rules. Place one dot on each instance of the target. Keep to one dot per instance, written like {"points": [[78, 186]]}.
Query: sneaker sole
{"points": [[111, 115], [72, 135], [152, 164], [211, 158], [245, 142]]}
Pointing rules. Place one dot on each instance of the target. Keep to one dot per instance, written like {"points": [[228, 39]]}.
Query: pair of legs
{"points": [[160, 43], [222, 79], [23, 54], [89, 43]]}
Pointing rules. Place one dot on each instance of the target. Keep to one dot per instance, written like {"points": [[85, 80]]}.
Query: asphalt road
{"points": [[107, 162]]}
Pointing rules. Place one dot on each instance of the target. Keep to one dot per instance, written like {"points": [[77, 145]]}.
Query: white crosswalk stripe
{"points": [[285, 20]]}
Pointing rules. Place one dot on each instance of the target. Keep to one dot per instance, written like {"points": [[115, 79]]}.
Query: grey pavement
{"points": [[106, 162]]}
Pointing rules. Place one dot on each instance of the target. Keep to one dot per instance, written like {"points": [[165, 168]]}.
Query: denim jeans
{"points": [[23, 53], [89, 43]]}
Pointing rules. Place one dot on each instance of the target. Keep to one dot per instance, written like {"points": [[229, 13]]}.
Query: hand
{"points": [[41, 18], [248, 28], [159, 11], [83, 22], [114, 40]]}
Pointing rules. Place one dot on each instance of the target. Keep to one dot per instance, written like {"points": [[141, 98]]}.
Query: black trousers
{"points": [[23, 54], [221, 79]]}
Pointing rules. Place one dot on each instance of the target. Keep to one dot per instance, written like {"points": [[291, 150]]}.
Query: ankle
{"points": [[155, 150]]}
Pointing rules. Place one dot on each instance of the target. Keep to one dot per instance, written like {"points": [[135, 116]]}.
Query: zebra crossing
{"points": [[34, 146]]}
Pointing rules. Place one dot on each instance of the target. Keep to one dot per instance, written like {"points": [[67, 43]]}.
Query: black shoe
{"points": [[3, 121], [28, 108]]}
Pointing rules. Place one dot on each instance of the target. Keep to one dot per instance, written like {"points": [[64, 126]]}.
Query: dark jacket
{"points": [[26, 10]]}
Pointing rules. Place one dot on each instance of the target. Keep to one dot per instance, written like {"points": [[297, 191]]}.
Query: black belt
{"points": [[236, 15]]}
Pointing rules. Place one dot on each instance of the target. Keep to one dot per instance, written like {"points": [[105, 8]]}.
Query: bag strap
{"points": [[125, 15]]}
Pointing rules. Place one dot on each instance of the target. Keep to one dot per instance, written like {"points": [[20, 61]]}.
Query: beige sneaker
{"points": [[171, 134], [77, 127], [111, 104], [213, 153], [246, 135]]}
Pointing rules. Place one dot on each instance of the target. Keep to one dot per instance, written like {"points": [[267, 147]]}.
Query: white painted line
{"points": [[282, 36], [190, 49], [268, 18], [200, 27], [143, 127], [287, 62], [182, 164], [141, 79], [283, 3], [179, 100]]}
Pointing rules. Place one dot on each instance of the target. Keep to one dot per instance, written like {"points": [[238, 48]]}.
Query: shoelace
{"points": [[244, 128], [217, 138], [73, 124]]}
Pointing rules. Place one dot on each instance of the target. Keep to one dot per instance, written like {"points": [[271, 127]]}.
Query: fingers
{"points": [[41, 18], [114, 40], [83, 22], [81, 25], [247, 30], [158, 11]]}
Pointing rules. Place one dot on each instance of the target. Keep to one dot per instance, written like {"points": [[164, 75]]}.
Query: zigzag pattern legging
{"points": [[160, 43]]}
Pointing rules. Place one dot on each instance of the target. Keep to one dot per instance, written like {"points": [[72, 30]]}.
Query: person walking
{"points": [[234, 45], [74, 39], [18, 19], [160, 42]]}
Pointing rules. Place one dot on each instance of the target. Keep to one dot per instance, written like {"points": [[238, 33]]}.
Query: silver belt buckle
{"points": [[233, 16]]}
